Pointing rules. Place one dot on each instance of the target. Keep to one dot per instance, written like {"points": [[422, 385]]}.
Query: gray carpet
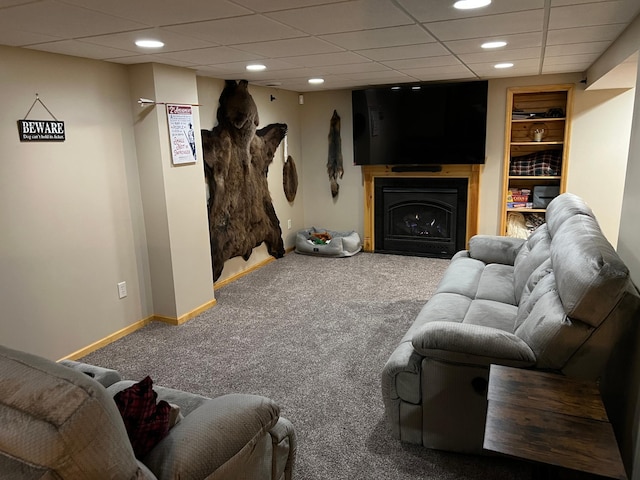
{"points": [[313, 334]]}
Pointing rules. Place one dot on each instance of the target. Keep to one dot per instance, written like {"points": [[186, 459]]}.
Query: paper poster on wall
{"points": [[183, 140]]}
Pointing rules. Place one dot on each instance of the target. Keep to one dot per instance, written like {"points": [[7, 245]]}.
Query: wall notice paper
{"points": [[183, 140]]}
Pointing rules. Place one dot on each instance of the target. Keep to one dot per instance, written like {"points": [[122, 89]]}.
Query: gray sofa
{"points": [[61, 421], [558, 301]]}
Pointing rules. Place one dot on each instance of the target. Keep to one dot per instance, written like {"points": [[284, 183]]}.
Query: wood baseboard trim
{"points": [[241, 274], [109, 339], [137, 326], [187, 316]]}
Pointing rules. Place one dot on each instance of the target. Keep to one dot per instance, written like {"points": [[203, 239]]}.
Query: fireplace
{"points": [[372, 174], [420, 216]]}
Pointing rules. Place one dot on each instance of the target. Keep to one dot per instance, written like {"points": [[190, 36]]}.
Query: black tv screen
{"points": [[427, 124]]}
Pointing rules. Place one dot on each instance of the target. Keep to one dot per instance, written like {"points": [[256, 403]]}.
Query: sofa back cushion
{"points": [[544, 325], [562, 208], [58, 423], [590, 276], [532, 254]]}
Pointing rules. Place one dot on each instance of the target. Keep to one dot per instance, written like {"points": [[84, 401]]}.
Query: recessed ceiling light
{"points": [[149, 43], [256, 67], [469, 4], [503, 65], [497, 44], [397, 87], [316, 81], [416, 87]]}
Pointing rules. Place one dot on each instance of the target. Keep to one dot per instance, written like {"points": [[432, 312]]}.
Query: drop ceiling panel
{"points": [[490, 26], [340, 58], [436, 10], [344, 17], [231, 31], [606, 33], [210, 56], [596, 13], [520, 40], [63, 21], [81, 49], [126, 41], [152, 12], [289, 48], [349, 42], [415, 63], [380, 37], [409, 51]]}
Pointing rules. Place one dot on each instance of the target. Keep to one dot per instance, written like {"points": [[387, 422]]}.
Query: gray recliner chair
{"points": [[59, 422]]}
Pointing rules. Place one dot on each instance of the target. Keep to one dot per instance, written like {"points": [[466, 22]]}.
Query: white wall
{"points": [[345, 212], [599, 150], [70, 212]]}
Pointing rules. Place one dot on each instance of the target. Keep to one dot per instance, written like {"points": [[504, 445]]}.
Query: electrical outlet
{"points": [[122, 289], [289, 224]]}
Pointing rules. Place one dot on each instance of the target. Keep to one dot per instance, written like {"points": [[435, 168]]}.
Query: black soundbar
{"points": [[416, 168]]}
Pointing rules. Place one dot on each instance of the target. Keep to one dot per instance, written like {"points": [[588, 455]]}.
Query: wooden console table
{"points": [[550, 419]]}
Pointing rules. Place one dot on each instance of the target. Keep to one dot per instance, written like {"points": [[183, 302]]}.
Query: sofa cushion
{"points": [[532, 254], [543, 324], [461, 277], [538, 274], [591, 278], [496, 283], [491, 314]]}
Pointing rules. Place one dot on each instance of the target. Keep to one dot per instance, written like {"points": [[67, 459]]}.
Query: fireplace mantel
{"points": [[370, 173]]}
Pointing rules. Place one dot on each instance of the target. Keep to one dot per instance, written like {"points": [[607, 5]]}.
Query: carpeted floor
{"points": [[313, 334]]}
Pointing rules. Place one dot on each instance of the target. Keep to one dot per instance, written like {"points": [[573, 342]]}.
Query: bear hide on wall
{"points": [[236, 161]]}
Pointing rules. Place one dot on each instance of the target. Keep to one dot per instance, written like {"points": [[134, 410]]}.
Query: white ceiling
{"points": [[349, 43]]}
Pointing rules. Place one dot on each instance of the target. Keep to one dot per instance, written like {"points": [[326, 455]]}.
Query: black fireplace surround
{"points": [[420, 216]]}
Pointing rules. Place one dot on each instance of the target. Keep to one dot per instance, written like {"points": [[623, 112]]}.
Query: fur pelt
{"points": [[290, 179], [334, 162], [237, 158]]}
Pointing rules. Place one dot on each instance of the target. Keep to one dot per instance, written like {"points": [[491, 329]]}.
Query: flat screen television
{"points": [[427, 124]]}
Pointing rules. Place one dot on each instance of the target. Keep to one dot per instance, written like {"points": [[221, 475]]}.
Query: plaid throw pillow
{"points": [[146, 422], [546, 162]]}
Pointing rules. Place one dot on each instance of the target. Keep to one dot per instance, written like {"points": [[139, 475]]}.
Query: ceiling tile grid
{"points": [[349, 43]]}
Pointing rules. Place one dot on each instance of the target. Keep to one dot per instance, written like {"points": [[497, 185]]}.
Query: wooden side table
{"points": [[550, 419]]}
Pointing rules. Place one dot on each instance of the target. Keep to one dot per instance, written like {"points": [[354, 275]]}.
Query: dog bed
{"points": [[329, 243]]}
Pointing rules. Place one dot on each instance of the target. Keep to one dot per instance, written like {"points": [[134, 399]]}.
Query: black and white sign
{"points": [[41, 131], [183, 140]]}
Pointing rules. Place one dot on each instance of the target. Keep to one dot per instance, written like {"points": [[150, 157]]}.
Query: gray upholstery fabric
{"points": [[472, 344], [531, 256], [215, 432], [562, 208], [60, 421], [558, 301], [589, 274], [104, 376], [492, 249]]}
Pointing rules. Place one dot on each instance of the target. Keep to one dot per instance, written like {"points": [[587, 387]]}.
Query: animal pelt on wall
{"points": [[334, 162], [236, 160]]}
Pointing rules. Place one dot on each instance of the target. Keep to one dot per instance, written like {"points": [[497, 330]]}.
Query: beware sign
{"points": [[41, 131]]}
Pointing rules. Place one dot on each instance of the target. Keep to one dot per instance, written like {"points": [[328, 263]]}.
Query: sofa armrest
{"points": [[211, 435], [472, 344], [495, 249], [104, 376]]}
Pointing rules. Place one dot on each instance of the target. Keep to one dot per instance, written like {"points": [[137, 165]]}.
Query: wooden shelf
{"points": [[543, 119], [519, 132], [527, 210], [537, 143]]}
